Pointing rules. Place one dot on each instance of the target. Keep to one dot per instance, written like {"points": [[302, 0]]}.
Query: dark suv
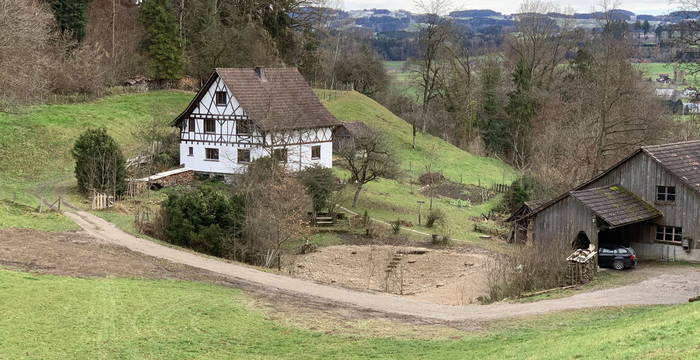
{"points": [[616, 257]]}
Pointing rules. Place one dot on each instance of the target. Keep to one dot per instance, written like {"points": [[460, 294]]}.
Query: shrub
{"points": [[431, 178], [435, 217], [99, 163], [320, 184], [396, 227], [202, 218]]}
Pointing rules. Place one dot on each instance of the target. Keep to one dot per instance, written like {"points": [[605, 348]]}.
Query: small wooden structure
{"points": [[101, 201], [344, 135]]}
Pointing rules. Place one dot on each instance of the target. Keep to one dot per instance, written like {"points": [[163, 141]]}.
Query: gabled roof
{"points": [[616, 205], [681, 159], [279, 100], [526, 208], [357, 129]]}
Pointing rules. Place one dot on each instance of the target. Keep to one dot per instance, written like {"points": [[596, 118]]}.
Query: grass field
{"points": [[35, 147], [392, 199], [62, 317], [35, 156], [651, 71]]}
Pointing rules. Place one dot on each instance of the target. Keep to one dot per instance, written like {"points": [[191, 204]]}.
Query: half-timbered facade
{"points": [[650, 200], [243, 114]]}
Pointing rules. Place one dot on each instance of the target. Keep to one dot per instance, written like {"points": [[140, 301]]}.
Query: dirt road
{"points": [[663, 289]]}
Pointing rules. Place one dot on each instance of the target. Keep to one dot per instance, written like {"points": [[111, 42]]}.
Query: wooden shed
{"points": [[650, 200], [344, 135]]}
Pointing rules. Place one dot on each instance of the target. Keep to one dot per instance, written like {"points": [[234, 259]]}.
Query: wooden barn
{"points": [[650, 201], [344, 135]]}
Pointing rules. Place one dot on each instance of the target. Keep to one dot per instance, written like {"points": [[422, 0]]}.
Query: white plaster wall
{"points": [[298, 157], [208, 103]]}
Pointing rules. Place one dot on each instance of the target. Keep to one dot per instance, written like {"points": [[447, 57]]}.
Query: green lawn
{"points": [[392, 199], [35, 147], [652, 70], [62, 317]]}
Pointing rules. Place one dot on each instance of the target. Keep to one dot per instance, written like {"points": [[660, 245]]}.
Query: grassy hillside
{"points": [[35, 146], [61, 317], [36, 143], [651, 71], [388, 199]]}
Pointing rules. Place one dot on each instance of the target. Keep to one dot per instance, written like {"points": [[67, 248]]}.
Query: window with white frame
{"points": [[669, 233]]}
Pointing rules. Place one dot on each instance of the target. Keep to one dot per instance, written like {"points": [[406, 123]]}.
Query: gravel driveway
{"points": [[672, 288]]}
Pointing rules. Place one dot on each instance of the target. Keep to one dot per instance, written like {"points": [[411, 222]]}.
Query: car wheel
{"points": [[618, 265]]}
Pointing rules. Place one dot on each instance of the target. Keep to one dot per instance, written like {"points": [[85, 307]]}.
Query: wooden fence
{"points": [[101, 201], [501, 188]]}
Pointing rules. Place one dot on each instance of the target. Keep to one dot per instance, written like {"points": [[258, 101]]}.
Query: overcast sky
{"points": [[653, 7]]}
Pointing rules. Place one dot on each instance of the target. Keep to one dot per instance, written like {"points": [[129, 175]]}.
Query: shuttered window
{"points": [[191, 125]]}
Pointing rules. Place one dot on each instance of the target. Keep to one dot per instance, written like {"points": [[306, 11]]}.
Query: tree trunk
{"points": [[357, 195], [414, 134]]}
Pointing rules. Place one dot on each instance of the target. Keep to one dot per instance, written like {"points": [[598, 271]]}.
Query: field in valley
{"points": [[64, 317]]}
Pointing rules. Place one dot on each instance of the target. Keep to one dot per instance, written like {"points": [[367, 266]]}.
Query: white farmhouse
{"points": [[242, 114]]}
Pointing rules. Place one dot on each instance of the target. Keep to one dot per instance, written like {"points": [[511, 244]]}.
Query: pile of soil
{"points": [[471, 193], [441, 276], [431, 178]]}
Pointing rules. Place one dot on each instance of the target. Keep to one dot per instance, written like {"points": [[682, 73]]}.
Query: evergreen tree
{"points": [[491, 119], [520, 109], [161, 40], [99, 163], [70, 16], [646, 27]]}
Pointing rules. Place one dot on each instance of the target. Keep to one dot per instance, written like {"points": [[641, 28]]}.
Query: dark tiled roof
{"points": [[283, 100], [356, 128], [616, 205], [681, 159]]}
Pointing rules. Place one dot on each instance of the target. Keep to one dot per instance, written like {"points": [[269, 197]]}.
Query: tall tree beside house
{"points": [[161, 41], [520, 109], [71, 16], [99, 163]]}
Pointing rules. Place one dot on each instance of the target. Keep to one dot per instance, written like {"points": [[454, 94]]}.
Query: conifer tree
{"points": [[161, 40], [520, 109], [70, 16], [491, 117]]}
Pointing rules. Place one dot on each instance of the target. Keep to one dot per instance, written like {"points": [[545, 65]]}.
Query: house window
{"points": [[243, 126], [280, 155], [243, 155], [221, 98], [669, 233], [191, 125], [666, 193], [209, 125], [190, 151], [212, 154], [316, 152]]}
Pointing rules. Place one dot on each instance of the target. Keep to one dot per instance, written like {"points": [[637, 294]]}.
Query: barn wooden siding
{"points": [[640, 175], [563, 221]]}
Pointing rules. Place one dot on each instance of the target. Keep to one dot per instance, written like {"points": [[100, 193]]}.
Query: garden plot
{"points": [[443, 276]]}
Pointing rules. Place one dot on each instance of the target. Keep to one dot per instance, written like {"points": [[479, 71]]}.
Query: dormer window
{"points": [[221, 99], [665, 193]]}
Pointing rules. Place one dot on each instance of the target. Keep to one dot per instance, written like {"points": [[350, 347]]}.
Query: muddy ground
{"points": [[442, 276]]}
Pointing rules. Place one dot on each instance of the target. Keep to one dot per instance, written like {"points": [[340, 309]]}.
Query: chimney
{"points": [[260, 71]]}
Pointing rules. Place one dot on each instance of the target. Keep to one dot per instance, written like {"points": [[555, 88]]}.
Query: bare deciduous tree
{"points": [[368, 160]]}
